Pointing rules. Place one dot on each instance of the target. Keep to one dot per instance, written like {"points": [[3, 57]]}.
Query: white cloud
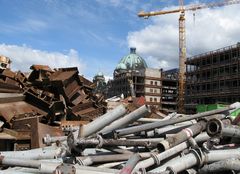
{"points": [[23, 57], [211, 29], [155, 63]]}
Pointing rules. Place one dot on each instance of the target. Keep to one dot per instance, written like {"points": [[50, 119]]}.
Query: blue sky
{"points": [[95, 34]]}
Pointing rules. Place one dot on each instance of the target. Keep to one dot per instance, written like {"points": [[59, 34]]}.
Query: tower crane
{"points": [[182, 38]]}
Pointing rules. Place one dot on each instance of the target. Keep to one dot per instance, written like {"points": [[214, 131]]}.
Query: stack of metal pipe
{"points": [[120, 142]]}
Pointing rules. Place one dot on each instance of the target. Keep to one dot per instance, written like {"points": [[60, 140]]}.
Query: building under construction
{"points": [[213, 77]]}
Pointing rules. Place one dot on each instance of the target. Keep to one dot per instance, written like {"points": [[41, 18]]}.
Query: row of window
{"points": [[228, 56], [155, 83], [153, 91], [151, 99]]}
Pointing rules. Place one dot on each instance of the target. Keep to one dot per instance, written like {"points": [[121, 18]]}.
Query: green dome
{"points": [[121, 66], [131, 62]]}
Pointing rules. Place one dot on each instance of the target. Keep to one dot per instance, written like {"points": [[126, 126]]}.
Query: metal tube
{"points": [[157, 158], [170, 116], [48, 140], [40, 153], [92, 159], [217, 127], [154, 140], [169, 129], [197, 157], [186, 133], [129, 118], [231, 131], [202, 137], [94, 170], [168, 153], [182, 136], [99, 142], [217, 155], [19, 162], [183, 163], [19, 170], [225, 165], [162, 167], [225, 146], [159, 124], [50, 168], [148, 120], [102, 121], [47, 167], [131, 163], [118, 150], [112, 164]]}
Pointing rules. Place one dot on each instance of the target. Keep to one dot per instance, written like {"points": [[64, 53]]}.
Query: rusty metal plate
{"points": [[40, 130], [63, 75], [9, 110], [41, 67]]}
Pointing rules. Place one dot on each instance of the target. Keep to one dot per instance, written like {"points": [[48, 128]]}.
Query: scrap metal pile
{"points": [[125, 142], [38, 103]]}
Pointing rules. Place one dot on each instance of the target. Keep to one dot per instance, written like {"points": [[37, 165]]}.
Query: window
{"points": [[155, 91], [156, 83], [151, 90], [151, 82], [155, 99], [151, 99]]}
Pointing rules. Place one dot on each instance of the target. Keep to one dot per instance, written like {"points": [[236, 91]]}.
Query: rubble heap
{"points": [[125, 142]]}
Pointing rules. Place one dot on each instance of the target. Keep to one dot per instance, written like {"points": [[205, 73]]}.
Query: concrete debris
{"points": [[120, 141]]}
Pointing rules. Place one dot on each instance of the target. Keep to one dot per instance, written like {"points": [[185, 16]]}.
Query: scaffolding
{"points": [[213, 77]]}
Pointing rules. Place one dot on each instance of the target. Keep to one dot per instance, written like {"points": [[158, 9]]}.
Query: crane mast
{"points": [[182, 39], [182, 60]]}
